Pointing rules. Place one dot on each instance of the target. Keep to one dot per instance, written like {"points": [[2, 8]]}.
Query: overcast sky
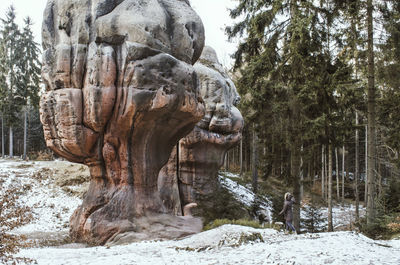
{"points": [[213, 13]]}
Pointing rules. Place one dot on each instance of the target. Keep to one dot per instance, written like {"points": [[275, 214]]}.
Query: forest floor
{"points": [[53, 189]]}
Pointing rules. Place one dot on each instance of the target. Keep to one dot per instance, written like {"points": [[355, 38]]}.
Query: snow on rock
{"points": [[241, 193], [206, 248], [245, 195], [226, 235]]}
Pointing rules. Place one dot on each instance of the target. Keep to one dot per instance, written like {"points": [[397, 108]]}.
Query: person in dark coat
{"points": [[287, 211]]}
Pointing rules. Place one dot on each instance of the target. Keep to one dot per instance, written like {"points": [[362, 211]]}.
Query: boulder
{"points": [[192, 169]]}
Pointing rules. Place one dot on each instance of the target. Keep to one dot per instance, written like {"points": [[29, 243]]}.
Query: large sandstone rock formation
{"points": [[201, 153], [120, 92]]}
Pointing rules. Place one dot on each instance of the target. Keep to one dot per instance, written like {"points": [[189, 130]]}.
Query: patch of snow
{"points": [[245, 195], [229, 174]]}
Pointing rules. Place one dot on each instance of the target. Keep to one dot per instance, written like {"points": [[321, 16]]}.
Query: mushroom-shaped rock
{"points": [[121, 91]]}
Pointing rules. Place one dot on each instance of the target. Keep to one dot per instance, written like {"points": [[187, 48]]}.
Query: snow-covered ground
{"points": [[343, 216], [48, 189], [230, 244], [52, 189]]}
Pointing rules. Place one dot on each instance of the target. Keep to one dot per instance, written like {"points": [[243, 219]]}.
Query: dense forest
{"points": [[320, 95], [321, 99]]}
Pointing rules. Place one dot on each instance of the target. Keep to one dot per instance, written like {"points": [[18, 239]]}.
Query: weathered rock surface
{"points": [[120, 92], [201, 153]]}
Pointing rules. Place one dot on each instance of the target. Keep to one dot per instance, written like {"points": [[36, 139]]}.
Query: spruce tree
{"points": [[13, 98], [3, 92], [388, 67], [30, 70], [313, 218]]}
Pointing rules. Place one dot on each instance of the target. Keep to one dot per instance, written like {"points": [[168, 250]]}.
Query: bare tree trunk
{"points": [[314, 166], [357, 173], [326, 173], [337, 175], [232, 160], [245, 156], [235, 156], [379, 173], [295, 175], [255, 161], [250, 166], [301, 175], [25, 132], [281, 163], [330, 219], [11, 143], [273, 170], [227, 161], [238, 156], [2, 136], [241, 157], [323, 172], [366, 168], [296, 185], [343, 170]]}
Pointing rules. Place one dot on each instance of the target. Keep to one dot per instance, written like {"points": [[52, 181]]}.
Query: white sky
{"points": [[213, 13]]}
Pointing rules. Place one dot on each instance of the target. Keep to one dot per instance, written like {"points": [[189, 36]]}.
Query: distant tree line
{"points": [[21, 130], [321, 97]]}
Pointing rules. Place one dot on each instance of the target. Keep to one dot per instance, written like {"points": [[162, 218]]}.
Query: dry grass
{"points": [[12, 215]]}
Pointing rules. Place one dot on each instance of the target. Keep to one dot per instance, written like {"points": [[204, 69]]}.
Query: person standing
{"points": [[287, 211]]}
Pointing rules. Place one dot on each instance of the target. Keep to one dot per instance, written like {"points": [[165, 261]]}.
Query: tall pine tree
{"points": [[371, 115], [3, 92], [30, 71], [13, 96]]}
